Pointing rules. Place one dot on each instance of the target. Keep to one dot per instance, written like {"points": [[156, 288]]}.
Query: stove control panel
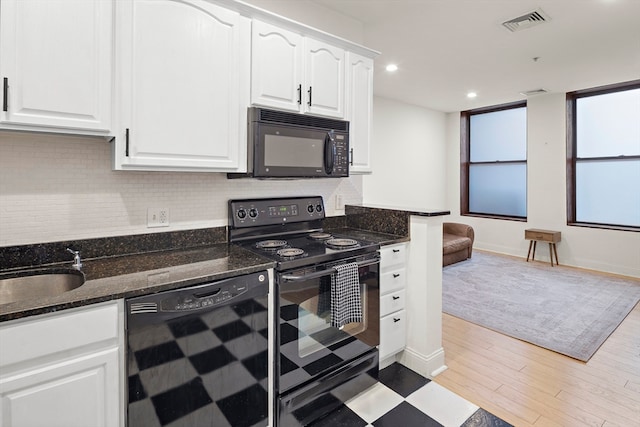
{"points": [[255, 212]]}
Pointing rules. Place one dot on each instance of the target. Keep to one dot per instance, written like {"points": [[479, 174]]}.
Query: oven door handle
{"points": [[328, 271]]}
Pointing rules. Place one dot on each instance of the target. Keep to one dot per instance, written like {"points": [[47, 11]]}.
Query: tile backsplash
{"points": [[55, 187]]}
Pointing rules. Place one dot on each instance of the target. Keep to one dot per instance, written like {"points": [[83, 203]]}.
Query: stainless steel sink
{"points": [[38, 284]]}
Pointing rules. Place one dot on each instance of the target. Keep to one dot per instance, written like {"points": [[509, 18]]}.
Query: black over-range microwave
{"points": [[291, 145]]}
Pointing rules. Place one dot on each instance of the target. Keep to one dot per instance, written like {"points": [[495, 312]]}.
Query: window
{"points": [[494, 162], [603, 156]]}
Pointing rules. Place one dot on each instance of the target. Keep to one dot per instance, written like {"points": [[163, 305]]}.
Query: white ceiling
{"points": [[446, 48]]}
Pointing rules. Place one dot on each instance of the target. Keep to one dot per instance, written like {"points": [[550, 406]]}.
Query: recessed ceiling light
{"points": [[472, 95], [392, 67]]}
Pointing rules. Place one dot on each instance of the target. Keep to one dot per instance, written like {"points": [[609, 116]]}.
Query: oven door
{"points": [[309, 346]]}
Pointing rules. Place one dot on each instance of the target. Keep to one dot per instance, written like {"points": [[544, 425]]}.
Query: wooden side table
{"points": [[536, 235]]}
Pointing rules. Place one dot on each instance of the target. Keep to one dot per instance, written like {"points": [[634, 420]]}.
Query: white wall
{"points": [[56, 187], [408, 152], [604, 250]]}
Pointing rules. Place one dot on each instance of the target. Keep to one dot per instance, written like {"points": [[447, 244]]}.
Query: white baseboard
{"points": [[429, 366], [388, 361]]}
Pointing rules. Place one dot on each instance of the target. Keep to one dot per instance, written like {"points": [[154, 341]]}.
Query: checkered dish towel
{"points": [[346, 306]]}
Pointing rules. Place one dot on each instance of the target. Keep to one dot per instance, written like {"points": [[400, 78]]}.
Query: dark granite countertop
{"points": [[381, 238], [153, 264], [386, 220], [408, 210], [138, 274]]}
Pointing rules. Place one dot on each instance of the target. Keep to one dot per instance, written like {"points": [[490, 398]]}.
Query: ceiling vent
{"points": [[527, 20], [534, 92]]}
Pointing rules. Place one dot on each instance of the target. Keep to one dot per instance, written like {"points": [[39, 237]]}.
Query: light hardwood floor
{"points": [[527, 385]]}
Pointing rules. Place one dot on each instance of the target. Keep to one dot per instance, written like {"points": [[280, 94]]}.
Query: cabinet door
{"points": [[393, 329], [56, 65], [79, 392], [360, 110], [276, 67], [324, 79], [180, 64], [71, 377]]}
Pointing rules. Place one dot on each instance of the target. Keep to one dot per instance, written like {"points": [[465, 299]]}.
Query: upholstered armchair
{"points": [[457, 242]]}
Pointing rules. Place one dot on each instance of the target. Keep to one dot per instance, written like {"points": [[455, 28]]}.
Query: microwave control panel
{"points": [[254, 212], [341, 166]]}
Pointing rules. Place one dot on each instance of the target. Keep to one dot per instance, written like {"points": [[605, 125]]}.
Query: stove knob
{"points": [[318, 208], [253, 212], [242, 214], [310, 209]]}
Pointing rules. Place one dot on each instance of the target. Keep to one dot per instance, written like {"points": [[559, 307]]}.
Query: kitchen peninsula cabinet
{"points": [[183, 86], [296, 73], [63, 369], [56, 61], [393, 319]]}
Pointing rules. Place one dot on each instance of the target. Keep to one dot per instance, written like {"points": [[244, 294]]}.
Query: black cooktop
{"points": [[288, 230], [293, 251]]}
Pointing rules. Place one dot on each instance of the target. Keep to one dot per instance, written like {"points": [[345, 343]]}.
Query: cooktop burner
{"points": [[290, 252], [271, 245], [343, 243], [320, 236]]}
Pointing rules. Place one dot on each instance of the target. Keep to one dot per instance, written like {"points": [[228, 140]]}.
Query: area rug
{"points": [[567, 310]]}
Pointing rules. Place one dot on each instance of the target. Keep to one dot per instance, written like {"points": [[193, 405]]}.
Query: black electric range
{"points": [[319, 361]]}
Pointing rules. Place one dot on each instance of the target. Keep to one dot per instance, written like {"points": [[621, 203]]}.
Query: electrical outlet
{"points": [[339, 202], [157, 217]]}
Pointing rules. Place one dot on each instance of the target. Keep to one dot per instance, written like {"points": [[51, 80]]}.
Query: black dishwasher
{"points": [[198, 356]]}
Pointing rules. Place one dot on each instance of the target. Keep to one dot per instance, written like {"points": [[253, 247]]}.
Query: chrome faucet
{"points": [[77, 262]]}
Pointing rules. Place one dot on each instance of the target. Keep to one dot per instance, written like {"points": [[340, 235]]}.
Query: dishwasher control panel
{"points": [[196, 301], [199, 297]]}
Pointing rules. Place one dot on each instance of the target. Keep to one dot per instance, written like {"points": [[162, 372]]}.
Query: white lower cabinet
{"points": [[393, 330], [393, 280], [63, 369]]}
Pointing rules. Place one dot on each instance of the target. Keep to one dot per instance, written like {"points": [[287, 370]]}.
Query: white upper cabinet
{"points": [[183, 93], [296, 73], [276, 67], [360, 110], [324, 74], [56, 59]]}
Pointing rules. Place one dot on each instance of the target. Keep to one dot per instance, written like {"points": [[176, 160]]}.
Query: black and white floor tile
{"points": [[404, 398]]}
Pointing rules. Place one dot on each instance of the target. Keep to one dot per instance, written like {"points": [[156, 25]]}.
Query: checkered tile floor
{"points": [[405, 398]]}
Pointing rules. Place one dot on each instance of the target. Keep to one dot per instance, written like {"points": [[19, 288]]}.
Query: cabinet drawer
{"points": [[393, 329], [394, 301], [542, 235], [39, 336], [393, 280], [393, 255]]}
